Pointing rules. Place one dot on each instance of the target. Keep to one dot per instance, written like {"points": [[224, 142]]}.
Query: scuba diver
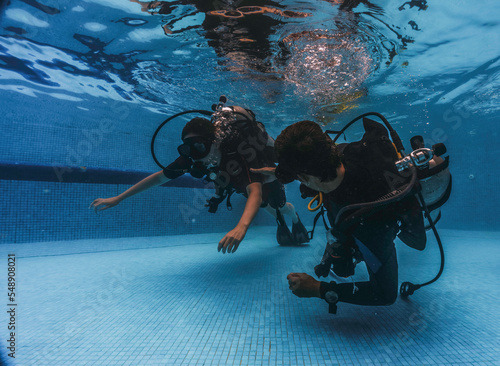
{"points": [[370, 198], [222, 150]]}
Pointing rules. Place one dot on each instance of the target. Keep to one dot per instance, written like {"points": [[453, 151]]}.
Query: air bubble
{"points": [[132, 22]]}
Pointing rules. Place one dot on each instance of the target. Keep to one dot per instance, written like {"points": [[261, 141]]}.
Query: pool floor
{"points": [[177, 301]]}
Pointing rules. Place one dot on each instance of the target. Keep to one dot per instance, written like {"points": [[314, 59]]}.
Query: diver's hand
{"points": [[104, 203], [267, 171], [303, 285], [231, 241]]}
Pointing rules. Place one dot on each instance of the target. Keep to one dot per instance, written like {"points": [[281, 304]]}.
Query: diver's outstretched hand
{"points": [[268, 171], [231, 241], [104, 203], [303, 285]]}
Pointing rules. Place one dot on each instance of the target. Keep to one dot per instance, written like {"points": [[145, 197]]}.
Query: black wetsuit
{"points": [[369, 169]]}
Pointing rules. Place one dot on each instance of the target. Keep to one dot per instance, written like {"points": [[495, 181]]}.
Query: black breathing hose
{"points": [[388, 199], [394, 135], [206, 113], [408, 288]]}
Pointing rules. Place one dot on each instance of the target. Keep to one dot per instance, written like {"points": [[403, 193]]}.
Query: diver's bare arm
{"points": [[252, 206], [231, 241], [148, 182], [151, 181]]}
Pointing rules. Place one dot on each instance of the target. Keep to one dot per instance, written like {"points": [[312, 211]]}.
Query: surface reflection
{"points": [[238, 31], [325, 50]]}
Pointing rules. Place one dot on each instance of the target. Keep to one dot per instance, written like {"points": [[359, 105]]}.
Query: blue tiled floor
{"points": [[177, 303]]}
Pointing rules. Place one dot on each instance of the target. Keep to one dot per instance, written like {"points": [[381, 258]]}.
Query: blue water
{"points": [[84, 84]]}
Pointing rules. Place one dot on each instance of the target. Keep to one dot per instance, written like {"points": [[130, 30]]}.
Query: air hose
{"points": [[206, 113], [394, 135], [408, 288], [389, 198]]}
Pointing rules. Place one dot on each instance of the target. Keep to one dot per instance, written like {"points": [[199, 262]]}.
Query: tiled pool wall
{"points": [[47, 211], [34, 211]]}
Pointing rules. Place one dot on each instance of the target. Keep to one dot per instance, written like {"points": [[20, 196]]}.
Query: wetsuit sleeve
{"points": [[412, 229], [324, 287], [180, 166]]}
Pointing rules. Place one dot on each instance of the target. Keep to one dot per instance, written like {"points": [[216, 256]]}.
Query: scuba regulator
{"points": [[420, 157]]}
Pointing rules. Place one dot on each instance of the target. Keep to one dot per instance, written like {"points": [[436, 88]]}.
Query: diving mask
{"points": [[195, 147]]}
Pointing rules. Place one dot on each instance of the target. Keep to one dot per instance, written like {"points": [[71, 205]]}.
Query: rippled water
{"points": [[300, 58]]}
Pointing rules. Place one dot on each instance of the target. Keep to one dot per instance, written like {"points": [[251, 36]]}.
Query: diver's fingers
{"points": [[96, 205], [236, 245], [292, 275], [293, 285], [221, 244], [95, 202], [232, 242], [229, 246], [292, 280]]}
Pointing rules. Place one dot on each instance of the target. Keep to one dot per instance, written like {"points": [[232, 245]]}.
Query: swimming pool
{"points": [[83, 88]]}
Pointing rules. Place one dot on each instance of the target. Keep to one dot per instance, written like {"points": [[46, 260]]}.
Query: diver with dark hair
{"points": [[345, 176], [223, 151]]}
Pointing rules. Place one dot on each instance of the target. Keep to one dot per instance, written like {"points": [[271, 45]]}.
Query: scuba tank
{"points": [[236, 119], [433, 174]]}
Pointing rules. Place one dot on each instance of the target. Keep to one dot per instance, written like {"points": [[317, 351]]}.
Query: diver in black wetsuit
{"points": [[225, 152], [353, 173]]}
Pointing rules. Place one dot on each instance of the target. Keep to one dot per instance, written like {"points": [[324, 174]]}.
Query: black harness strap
{"points": [[230, 191], [321, 214]]}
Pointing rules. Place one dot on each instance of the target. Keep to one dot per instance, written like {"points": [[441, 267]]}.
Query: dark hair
{"points": [[201, 127], [304, 148]]}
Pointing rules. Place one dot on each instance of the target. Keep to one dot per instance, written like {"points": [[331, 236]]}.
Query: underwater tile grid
{"points": [[167, 301]]}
